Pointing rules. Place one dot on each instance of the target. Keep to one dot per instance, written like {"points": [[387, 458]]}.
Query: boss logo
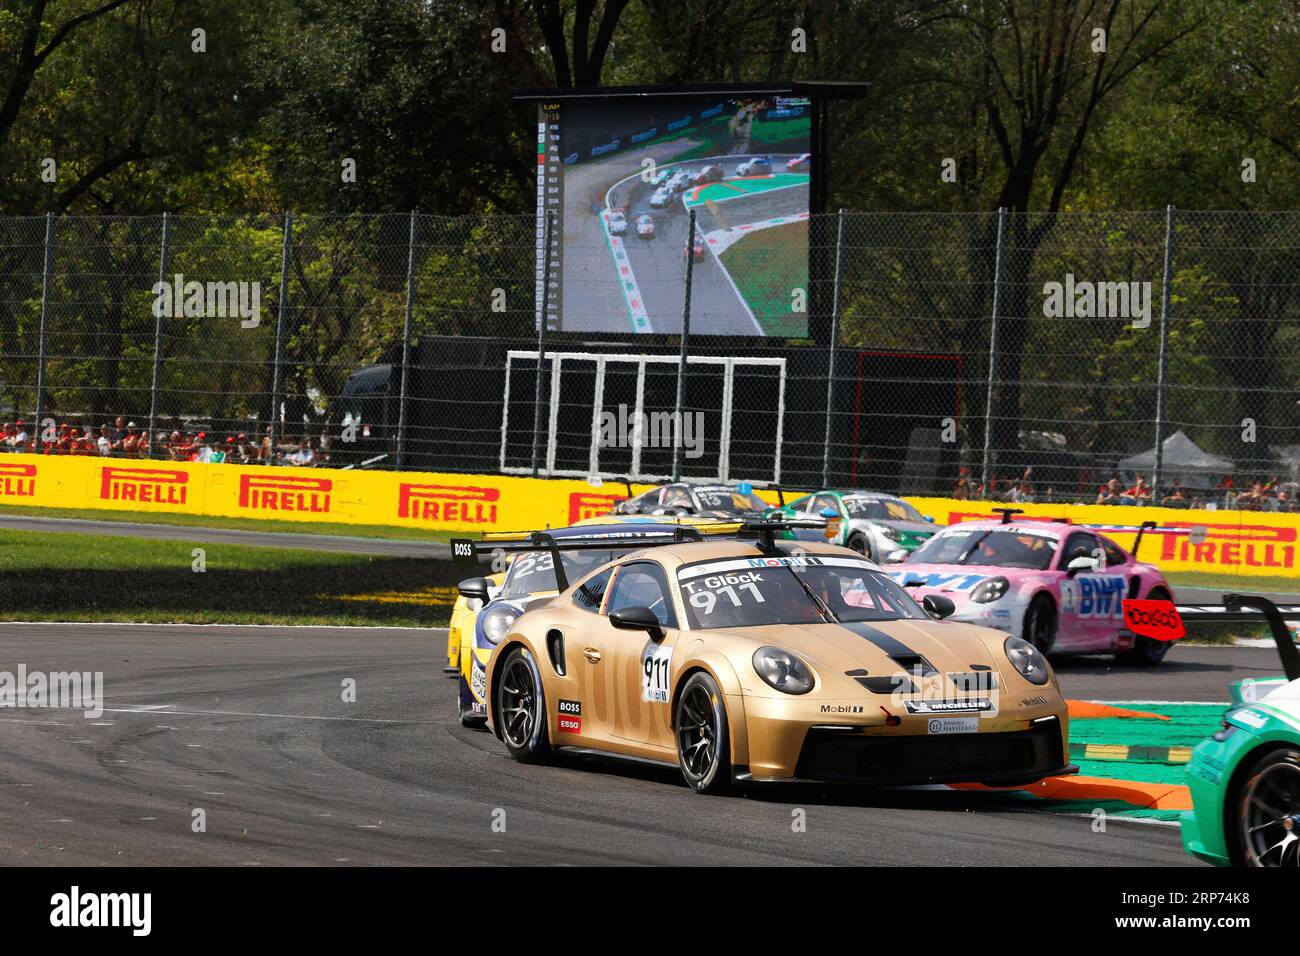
{"points": [[462, 549], [573, 707]]}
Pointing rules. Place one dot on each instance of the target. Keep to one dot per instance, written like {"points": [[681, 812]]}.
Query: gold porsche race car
{"points": [[748, 661]]}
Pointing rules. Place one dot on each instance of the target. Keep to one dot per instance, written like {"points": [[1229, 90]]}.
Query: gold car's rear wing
{"points": [[469, 551], [766, 529]]}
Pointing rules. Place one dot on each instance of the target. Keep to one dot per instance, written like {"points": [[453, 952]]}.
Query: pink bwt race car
{"points": [[1060, 586]]}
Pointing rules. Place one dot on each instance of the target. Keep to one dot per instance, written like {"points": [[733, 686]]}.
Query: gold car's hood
{"points": [[883, 648]]}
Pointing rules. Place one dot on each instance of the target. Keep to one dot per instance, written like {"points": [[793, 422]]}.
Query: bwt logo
{"points": [[267, 493], [17, 481], [1098, 300], [145, 485], [584, 504], [196, 300], [466, 504]]}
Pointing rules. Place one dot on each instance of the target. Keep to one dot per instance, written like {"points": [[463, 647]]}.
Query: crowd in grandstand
{"points": [[1270, 495], [125, 439]]}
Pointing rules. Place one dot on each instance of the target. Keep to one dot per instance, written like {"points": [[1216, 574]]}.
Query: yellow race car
{"points": [[463, 613], [750, 661]]}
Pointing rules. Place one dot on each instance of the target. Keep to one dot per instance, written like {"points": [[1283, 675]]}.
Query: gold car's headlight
{"points": [[783, 671], [1028, 660]]}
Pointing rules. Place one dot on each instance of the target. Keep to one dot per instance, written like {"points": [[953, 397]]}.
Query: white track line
{"points": [[232, 713]]}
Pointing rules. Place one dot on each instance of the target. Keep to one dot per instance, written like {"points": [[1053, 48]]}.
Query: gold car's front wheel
{"points": [[521, 708], [703, 738]]}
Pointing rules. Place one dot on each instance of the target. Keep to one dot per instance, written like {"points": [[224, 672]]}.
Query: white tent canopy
{"points": [[1182, 459]]}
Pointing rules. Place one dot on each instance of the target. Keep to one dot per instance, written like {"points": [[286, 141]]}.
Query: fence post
{"points": [[154, 448], [45, 308], [993, 349], [279, 334], [406, 342], [1161, 368], [681, 357], [547, 231], [835, 338]]}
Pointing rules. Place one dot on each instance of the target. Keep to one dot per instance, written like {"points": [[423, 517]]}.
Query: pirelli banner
{"points": [[448, 502], [1233, 542], [1249, 543]]}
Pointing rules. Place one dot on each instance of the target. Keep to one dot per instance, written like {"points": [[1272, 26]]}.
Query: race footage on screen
{"points": [[621, 176]]}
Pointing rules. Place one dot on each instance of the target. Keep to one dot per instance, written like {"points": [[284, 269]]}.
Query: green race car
{"points": [[1245, 780], [872, 524]]}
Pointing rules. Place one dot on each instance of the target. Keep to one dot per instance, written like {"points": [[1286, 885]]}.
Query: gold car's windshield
{"points": [[753, 592]]}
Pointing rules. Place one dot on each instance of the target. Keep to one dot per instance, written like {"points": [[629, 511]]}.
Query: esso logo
{"points": [[1158, 620]]}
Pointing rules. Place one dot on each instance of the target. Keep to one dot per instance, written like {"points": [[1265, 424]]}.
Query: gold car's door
{"points": [[640, 701]]}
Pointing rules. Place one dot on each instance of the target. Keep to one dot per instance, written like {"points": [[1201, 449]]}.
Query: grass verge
{"points": [[238, 524], [766, 266], [1240, 583], [81, 577]]}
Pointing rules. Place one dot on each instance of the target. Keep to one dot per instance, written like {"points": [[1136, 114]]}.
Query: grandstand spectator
{"points": [[173, 446], [1109, 493], [6, 436], [142, 446], [245, 450], [19, 441], [1139, 491], [1285, 501], [304, 457], [117, 435], [103, 444], [1175, 498], [131, 441], [1021, 492], [964, 488], [1254, 499]]}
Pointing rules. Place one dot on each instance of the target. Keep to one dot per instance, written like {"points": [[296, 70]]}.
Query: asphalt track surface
{"points": [[248, 724]]}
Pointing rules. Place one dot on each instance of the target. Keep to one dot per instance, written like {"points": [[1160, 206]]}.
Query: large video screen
{"points": [[622, 174]]}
